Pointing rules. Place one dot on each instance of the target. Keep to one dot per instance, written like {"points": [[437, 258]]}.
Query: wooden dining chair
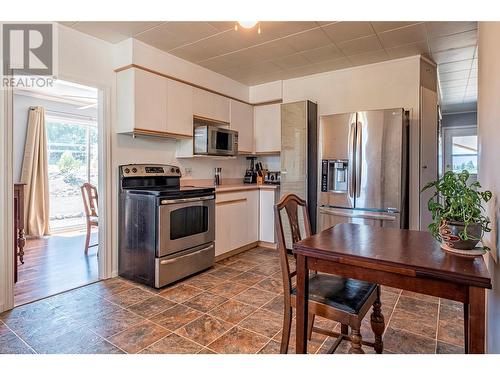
{"points": [[336, 298], [90, 198]]}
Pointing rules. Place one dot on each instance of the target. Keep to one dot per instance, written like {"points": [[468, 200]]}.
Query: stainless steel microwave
{"points": [[215, 140]]}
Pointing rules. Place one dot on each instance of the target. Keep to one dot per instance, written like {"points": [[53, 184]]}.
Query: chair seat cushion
{"points": [[348, 295]]}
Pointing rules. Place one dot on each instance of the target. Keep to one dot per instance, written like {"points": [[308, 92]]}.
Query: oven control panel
{"points": [[146, 170]]}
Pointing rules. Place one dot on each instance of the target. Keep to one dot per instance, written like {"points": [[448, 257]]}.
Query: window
{"points": [[464, 153], [461, 149], [72, 152]]}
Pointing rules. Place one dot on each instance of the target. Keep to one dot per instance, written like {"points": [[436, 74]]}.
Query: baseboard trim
{"points": [[236, 251], [268, 245]]}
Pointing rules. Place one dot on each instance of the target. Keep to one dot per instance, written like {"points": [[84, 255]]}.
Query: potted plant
{"points": [[457, 211]]}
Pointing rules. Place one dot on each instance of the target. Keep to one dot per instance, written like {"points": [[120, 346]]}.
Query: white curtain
{"points": [[35, 175]]}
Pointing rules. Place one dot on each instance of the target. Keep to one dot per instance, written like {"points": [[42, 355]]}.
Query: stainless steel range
{"points": [[167, 232]]}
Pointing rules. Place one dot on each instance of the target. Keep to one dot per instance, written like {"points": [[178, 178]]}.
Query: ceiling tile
{"points": [[369, 57], [324, 23], [268, 77], [451, 76], [465, 39], [453, 55], [215, 45], [321, 54], [453, 98], [343, 31], [405, 35], [249, 37], [361, 45], [474, 64], [174, 34], [261, 68], [455, 83], [450, 91], [455, 66], [114, 32], [285, 28], [435, 29], [473, 73], [191, 31], [412, 49], [335, 64], [272, 50], [219, 63], [308, 40], [299, 72], [223, 25], [192, 52], [291, 61], [381, 26]]}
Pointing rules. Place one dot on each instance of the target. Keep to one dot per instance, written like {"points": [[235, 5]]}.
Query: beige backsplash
{"points": [[210, 182]]}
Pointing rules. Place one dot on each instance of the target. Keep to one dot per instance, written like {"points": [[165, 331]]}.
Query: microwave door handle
{"points": [[359, 157], [351, 149]]}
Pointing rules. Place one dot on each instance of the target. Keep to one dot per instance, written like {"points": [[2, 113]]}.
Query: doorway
{"points": [[55, 257]]}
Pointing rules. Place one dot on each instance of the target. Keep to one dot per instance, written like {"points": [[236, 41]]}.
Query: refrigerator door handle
{"points": [[358, 214], [352, 165], [359, 157]]}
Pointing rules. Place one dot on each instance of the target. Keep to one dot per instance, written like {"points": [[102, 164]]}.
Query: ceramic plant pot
{"points": [[449, 231]]}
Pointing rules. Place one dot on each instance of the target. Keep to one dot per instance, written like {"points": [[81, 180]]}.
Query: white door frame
{"points": [[7, 188], [448, 132]]}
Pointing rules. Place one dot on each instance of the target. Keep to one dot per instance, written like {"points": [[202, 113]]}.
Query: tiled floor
{"points": [[235, 307]]}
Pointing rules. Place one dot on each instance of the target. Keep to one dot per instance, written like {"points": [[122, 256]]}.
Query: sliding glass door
{"points": [[73, 160]]}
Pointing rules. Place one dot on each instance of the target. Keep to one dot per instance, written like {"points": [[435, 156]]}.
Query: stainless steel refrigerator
{"points": [[364, 168]]}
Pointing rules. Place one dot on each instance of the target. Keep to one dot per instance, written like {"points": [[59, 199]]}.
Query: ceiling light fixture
{"points": [[247, 25]]}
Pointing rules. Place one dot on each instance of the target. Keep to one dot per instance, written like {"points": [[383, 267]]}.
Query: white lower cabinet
{"points": [[236, 220], [267, 200]]}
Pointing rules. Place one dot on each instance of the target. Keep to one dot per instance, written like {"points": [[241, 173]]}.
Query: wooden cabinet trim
{"points": [[217, 122], [138, 131], [130, 66]]}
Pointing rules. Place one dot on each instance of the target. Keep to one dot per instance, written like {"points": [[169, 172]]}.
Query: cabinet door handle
{"points": [[173, 260]]}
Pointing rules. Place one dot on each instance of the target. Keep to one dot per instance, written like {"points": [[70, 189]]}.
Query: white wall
{"points": [[389, 84], [21, 104], [136, 52], [266, 92], [488, 112]]}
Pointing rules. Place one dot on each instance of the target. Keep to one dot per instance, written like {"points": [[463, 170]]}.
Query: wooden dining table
{"points": [[399, 258]]}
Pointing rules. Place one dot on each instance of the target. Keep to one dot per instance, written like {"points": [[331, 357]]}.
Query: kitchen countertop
{"points": [[238, 187], [228, 185]]}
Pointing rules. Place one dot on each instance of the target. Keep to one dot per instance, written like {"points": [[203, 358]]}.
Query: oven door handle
{"points": [[185, 200], [173, 260]]}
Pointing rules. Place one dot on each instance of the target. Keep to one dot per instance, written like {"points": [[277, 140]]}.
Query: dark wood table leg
{"points": [[21, 242], [466, 328], [302, 305], [476, 321]]}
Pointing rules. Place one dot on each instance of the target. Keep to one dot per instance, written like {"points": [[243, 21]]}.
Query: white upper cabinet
{"points": [[242, 122], [267, 128], [179, 109], [210, 105], [141, 102]]}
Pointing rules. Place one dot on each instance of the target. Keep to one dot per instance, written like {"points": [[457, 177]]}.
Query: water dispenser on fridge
{"points": [[334, 176]]}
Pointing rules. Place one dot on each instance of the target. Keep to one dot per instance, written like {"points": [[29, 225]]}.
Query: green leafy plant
{"points": [[455, 200]]}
